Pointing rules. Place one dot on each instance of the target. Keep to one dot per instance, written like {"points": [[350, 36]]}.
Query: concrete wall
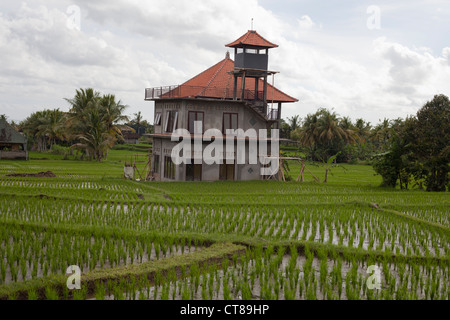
{"points": [[213, 113], [163, 148], [210, 172], [213, 119], [14, 155], [248, 172]]}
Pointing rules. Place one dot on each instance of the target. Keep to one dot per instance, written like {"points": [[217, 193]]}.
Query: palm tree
{"points": [[94, 121], [44, 127], [307, 134], [84, 99], [329, 129], [96, 140], [52, 125], [137, 121], [381, 134], [350, 131], [30, 128], [362, 129], [112, 111], [325, 134], [294, 122]]}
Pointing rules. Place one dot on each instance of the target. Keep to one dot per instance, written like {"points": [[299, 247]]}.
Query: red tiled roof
{"points": [[218, 82], [252, 38]]}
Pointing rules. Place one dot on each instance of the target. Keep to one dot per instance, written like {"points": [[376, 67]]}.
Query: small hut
{"points": [[13, 145]]}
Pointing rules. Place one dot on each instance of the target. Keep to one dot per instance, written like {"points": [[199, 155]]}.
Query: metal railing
{"points": [[184, 91]]}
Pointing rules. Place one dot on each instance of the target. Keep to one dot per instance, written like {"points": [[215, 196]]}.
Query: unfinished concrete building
{"points": [[229, 95]]}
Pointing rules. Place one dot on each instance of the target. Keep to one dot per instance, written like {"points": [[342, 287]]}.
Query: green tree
{"points": [[362, 129], [418, 148], [44, 128], [429, 138], [323, 135], [96, 140], [53, 126], [94, 122], [381, 135], [391, 164], [137, 120], [285, 130], [294, 122]]}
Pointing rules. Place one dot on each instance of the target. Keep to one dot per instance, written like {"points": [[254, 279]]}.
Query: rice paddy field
{"points": [[218, 240]]}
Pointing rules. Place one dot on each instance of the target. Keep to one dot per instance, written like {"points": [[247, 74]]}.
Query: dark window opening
{"points": [[171, 121], [157, 119], [169, 168], [156, 163], [230, 121], [193, 172], [226, 172], [192, 117]]}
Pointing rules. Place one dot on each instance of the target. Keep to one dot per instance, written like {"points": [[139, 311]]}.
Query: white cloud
{"points": [[125, 46], [446, 55], [305, 22]]}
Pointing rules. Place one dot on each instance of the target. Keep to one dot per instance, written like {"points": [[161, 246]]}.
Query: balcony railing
{"points": [[210, 92], [195, 92]]}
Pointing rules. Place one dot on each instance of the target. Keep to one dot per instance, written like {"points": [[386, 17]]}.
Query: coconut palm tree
{"points": [[325, 134], [44, 127], [137, 121], [362, 129], [112, 112], [94, 122], [381, 134], [294, 122], [52, 126], [96, 140], [308, 134], [84, 99]]}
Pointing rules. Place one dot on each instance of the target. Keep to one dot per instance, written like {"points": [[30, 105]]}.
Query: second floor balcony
{"points": [[184, 91]]}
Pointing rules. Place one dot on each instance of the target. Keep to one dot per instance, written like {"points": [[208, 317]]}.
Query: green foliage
{"points": [[44, 129], [428, 135], [418, 149], [324, 134], [93, 122]]}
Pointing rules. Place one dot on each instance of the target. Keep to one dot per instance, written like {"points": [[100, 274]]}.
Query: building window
{"points": [[169, 168], [226, 172], [193, 172], [252, 51], [171, 121], [230, 121], [157, 121], [156, 163], [192, 117]]}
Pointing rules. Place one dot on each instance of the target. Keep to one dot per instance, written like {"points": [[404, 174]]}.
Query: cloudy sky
{"points": [[371, 59]]}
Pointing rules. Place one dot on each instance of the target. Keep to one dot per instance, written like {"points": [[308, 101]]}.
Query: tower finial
{"points": [[252, 25], [227, 55]]}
